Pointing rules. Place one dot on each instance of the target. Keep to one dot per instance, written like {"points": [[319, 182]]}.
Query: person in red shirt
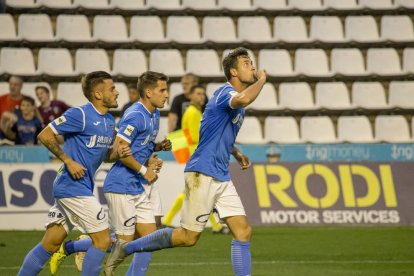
{"points": [[49, 109], [9, 102]]}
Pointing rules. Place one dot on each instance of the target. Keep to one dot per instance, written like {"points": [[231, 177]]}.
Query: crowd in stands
{"points": [[348, 62]]}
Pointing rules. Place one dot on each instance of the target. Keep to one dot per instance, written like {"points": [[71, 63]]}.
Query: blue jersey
{"points": [[139, 128], [27, 130], [88, 135], [219, 127]]}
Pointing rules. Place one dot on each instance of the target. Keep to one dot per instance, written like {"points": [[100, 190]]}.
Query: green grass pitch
{"points": [[275, 251]]}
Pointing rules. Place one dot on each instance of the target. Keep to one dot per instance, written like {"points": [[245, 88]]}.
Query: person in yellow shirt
{"points": [[191, 124]]}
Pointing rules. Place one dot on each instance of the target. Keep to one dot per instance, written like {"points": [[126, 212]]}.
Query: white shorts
{"points": [[127, 210], [202, 194], [84, 212], [153, 193]]}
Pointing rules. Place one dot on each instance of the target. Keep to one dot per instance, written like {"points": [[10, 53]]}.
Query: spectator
{"points": [[27, 127], [9, 102], [133, 97], [181, 102], [49, 109]]}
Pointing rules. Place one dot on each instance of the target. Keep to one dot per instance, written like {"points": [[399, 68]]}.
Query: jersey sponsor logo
{"points": [[92, 142], [96, 123], [99, 141], [128, 130], [101, 215], [203, 218], [130, 222], [60, 120]]}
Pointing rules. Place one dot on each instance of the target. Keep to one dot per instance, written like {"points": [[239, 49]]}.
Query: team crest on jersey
{"points": [[128, 130], [60, 120]]}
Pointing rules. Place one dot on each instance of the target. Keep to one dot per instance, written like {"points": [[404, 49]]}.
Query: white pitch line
{"points": [[257, 262]]}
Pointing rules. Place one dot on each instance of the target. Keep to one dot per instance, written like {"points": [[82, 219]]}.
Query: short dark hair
{"points": [[44, 88], [17, 77], [194, 87], [91, 80], [149, 79], [28, 99], [230, 61]]}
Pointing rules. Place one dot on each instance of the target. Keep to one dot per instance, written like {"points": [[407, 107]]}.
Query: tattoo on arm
{"points": [[53, 146]]}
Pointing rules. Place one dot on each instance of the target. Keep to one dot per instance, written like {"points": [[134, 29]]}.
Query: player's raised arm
{"points": [[248, 95], [48, 138]]}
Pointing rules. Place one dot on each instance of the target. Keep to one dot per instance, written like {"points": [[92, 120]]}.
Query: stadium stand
{"points": [[250, 132], [355, 129], [349, 60], [283, 130]]}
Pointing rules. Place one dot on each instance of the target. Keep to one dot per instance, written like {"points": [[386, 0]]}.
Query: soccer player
{"points": [[191, 124], [207, 178], [89, 132], [130, 210]]}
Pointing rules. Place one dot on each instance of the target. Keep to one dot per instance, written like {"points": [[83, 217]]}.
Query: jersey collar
{"points": [[150, 113], [96, 109]]}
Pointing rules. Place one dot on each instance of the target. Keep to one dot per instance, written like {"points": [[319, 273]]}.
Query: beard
{"points": [[110, 104]]}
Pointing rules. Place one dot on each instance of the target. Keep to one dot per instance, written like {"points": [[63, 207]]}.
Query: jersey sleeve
{"points": [[223, 100], [72, 121], [130, 126]]}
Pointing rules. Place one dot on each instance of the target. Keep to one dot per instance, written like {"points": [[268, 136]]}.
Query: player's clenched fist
{"points": [[261, 74], [150, 176]]}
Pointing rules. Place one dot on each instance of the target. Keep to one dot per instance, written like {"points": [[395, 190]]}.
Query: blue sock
{"points": [[140, 263], [155, 241], [34, 261], [82, 245], [77, 246], [93, 261], [240, 258]]}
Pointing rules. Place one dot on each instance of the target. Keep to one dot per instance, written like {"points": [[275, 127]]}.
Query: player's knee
{"points": [[243, 233], [191, 238], [102, 242], [191, 241]]}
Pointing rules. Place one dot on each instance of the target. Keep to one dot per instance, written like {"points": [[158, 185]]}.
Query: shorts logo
{"points": [[100, 215], [203, 218], [60, 120], [130, 222], [128, 130]]}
